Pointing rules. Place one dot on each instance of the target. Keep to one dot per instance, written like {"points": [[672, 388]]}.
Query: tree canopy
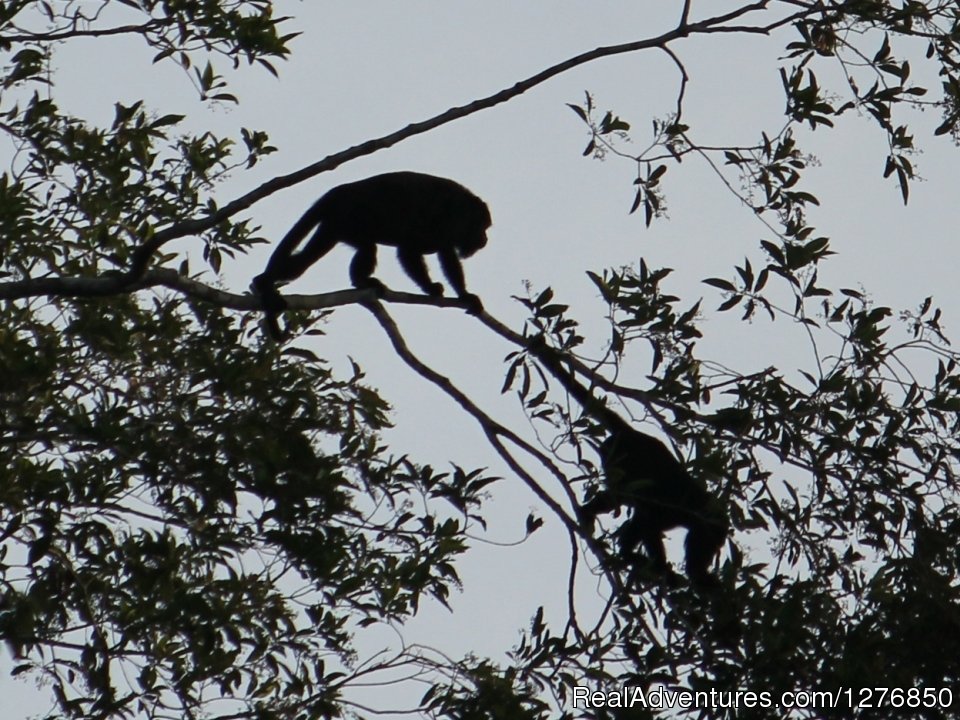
{"points": [[197, 521]]}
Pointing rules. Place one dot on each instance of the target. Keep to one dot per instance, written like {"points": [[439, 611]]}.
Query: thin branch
{"points": [[142, 255], [75, 33], [684, 79]]}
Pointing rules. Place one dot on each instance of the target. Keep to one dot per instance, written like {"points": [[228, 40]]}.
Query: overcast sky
{"points": [[363, 69]]}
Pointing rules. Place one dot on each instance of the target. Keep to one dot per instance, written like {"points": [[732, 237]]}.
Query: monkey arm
{"points": [[413, 263], [453, 271]]}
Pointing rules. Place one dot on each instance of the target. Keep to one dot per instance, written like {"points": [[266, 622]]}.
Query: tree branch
{"points": [[75, 32], [494, 431], [172, 279]]}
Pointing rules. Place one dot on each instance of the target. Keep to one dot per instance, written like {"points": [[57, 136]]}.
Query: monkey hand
{"points": [[434, 289], [473, 303]]}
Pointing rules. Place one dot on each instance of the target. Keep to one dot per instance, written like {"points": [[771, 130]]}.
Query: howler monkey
{"points": [[642, 474], [416, 213]]}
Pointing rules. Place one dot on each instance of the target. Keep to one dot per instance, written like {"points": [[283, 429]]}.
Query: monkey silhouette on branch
{"points": [[644, 476], [416, 213]]}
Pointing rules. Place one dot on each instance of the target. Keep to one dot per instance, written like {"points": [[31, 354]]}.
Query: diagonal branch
{"points": [[494, 431], [491, 428]]}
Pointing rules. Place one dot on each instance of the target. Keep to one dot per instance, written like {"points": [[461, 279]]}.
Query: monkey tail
{"points": [[273, 305], [281, 267], [277, 266]]}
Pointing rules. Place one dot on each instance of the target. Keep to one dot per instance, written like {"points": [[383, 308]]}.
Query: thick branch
{"points": [[170, 278]]}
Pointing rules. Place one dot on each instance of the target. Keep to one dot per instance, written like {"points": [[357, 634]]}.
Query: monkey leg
{"points": [[704, 540], [640, 529], [273, 304]]}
